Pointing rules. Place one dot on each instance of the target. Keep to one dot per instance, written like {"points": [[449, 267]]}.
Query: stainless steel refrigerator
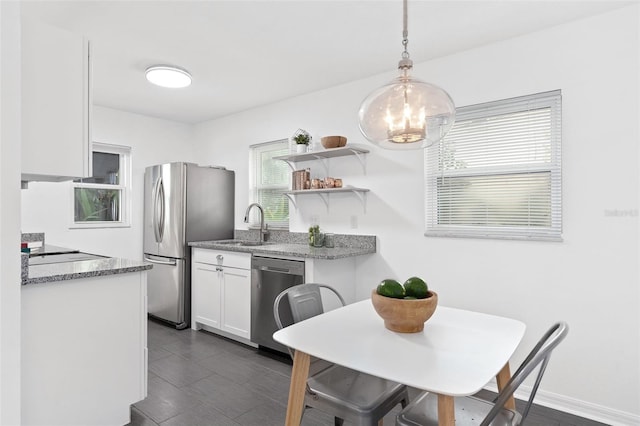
{"points": [[183, 202]]}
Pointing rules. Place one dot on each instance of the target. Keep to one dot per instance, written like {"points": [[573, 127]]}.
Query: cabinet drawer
{"points": [[222, 258]]}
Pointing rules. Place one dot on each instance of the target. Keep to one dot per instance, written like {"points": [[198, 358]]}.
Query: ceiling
{"points": [[243, 54]]}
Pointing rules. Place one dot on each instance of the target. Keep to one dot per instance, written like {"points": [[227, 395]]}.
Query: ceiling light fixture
{"points": [[406, 113], [168, 76]]}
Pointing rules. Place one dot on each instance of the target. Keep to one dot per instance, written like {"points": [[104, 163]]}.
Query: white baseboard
{"points": [[576, 407]]}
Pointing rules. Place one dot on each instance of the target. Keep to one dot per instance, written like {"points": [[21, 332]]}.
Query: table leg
{"points": [[446, 411], [297, 388], [503, 378]]}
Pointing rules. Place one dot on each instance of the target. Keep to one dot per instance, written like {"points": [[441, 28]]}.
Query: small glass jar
{"points": [[313, 230], [318, 239], [329, 182], [328, 240]]}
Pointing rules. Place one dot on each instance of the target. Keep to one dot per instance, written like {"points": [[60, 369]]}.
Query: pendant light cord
{"points": [[405, 63], [405, 31]]}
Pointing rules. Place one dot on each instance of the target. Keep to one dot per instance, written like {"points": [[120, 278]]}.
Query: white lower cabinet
{"points": [[83, 350], [206, 295], [236, 301], [221, 293]]}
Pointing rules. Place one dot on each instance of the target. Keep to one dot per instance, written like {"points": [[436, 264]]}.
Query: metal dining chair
{"points": [[346, 394], [472, 410]]}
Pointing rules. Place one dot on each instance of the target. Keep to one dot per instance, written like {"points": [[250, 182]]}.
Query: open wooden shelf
{"points": [[324, 194]]}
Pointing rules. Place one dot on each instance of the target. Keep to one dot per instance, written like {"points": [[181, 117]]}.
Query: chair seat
{"points": [[346, 394], [423, 411], [354, 396]]}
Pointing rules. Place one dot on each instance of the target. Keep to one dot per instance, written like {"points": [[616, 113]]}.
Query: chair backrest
{"points": [[538, 357], [305, 301]]}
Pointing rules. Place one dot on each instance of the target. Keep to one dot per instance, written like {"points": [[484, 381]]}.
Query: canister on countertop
{"points": [[328, 240]]}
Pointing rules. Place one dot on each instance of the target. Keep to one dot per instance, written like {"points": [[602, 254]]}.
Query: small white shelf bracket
{"points": [[325, 197], [362, 196], [290, 163], [361, 158], [292, 197], [324, 161]]}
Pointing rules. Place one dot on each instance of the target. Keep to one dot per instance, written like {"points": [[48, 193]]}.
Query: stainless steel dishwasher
{"points": [[269, 277]]}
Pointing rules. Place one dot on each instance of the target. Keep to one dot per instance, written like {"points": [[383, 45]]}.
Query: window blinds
{"points": [[268, 181], [497, 174]]}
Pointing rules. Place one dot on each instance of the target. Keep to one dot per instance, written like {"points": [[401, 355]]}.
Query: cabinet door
{"points": [[236, 308], [84, 350], [205, 299], [55, 103]]}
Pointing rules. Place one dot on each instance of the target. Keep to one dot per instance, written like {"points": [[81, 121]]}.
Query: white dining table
{"points": [[457, 353]]}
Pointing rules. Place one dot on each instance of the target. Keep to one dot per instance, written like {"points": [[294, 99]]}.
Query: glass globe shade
{"points": [[407, 113]]}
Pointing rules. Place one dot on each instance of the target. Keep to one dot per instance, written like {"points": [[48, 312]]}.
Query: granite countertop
{"points": [[290, 249], [80, 269]]}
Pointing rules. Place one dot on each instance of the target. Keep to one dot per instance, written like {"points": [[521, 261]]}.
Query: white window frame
{"points": [[435, 171], [254, 186], [124, 186]]}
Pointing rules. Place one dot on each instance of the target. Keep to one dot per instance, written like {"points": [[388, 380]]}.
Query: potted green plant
{"points": [[302, 139]]}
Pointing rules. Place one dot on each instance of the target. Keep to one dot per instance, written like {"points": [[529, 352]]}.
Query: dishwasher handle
{"points": [[277, 270], [274, 269], [278, 266]]}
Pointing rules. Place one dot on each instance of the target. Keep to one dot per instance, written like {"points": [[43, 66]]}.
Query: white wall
{"points": [[47, 207], [590, 279], [10, 135]]}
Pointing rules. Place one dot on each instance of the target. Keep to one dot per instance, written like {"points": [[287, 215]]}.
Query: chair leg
{"points": [[337, 421]]}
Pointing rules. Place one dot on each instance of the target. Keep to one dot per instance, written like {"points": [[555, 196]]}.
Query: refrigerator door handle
{"points": [[160, 262], [158, 210], [162, 207], [154, 216]]}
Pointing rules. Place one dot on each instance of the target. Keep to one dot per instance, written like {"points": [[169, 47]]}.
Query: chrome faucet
{"points": [[263, 227]]}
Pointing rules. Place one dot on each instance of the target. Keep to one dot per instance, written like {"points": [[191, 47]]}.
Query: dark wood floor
{"points": [[198, 378]]}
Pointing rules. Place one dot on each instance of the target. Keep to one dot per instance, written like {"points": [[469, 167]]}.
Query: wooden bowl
{"points": [[404, 315], [333, 141]]}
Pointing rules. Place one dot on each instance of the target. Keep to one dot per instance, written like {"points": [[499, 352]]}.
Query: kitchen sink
{"points": [[242, 243]]}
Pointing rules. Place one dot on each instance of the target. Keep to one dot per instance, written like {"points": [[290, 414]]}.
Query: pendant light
{"points": [[406, 113]]}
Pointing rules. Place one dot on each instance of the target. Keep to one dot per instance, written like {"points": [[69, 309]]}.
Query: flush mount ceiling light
{"points": [[407, 113], [168, 76]]}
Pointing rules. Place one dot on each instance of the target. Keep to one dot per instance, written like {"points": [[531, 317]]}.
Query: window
{"points": [[103, 199], [268, 181], [497, 174]]}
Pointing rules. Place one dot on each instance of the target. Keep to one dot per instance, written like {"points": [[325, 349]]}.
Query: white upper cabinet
{"points": [[56, 104]]}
